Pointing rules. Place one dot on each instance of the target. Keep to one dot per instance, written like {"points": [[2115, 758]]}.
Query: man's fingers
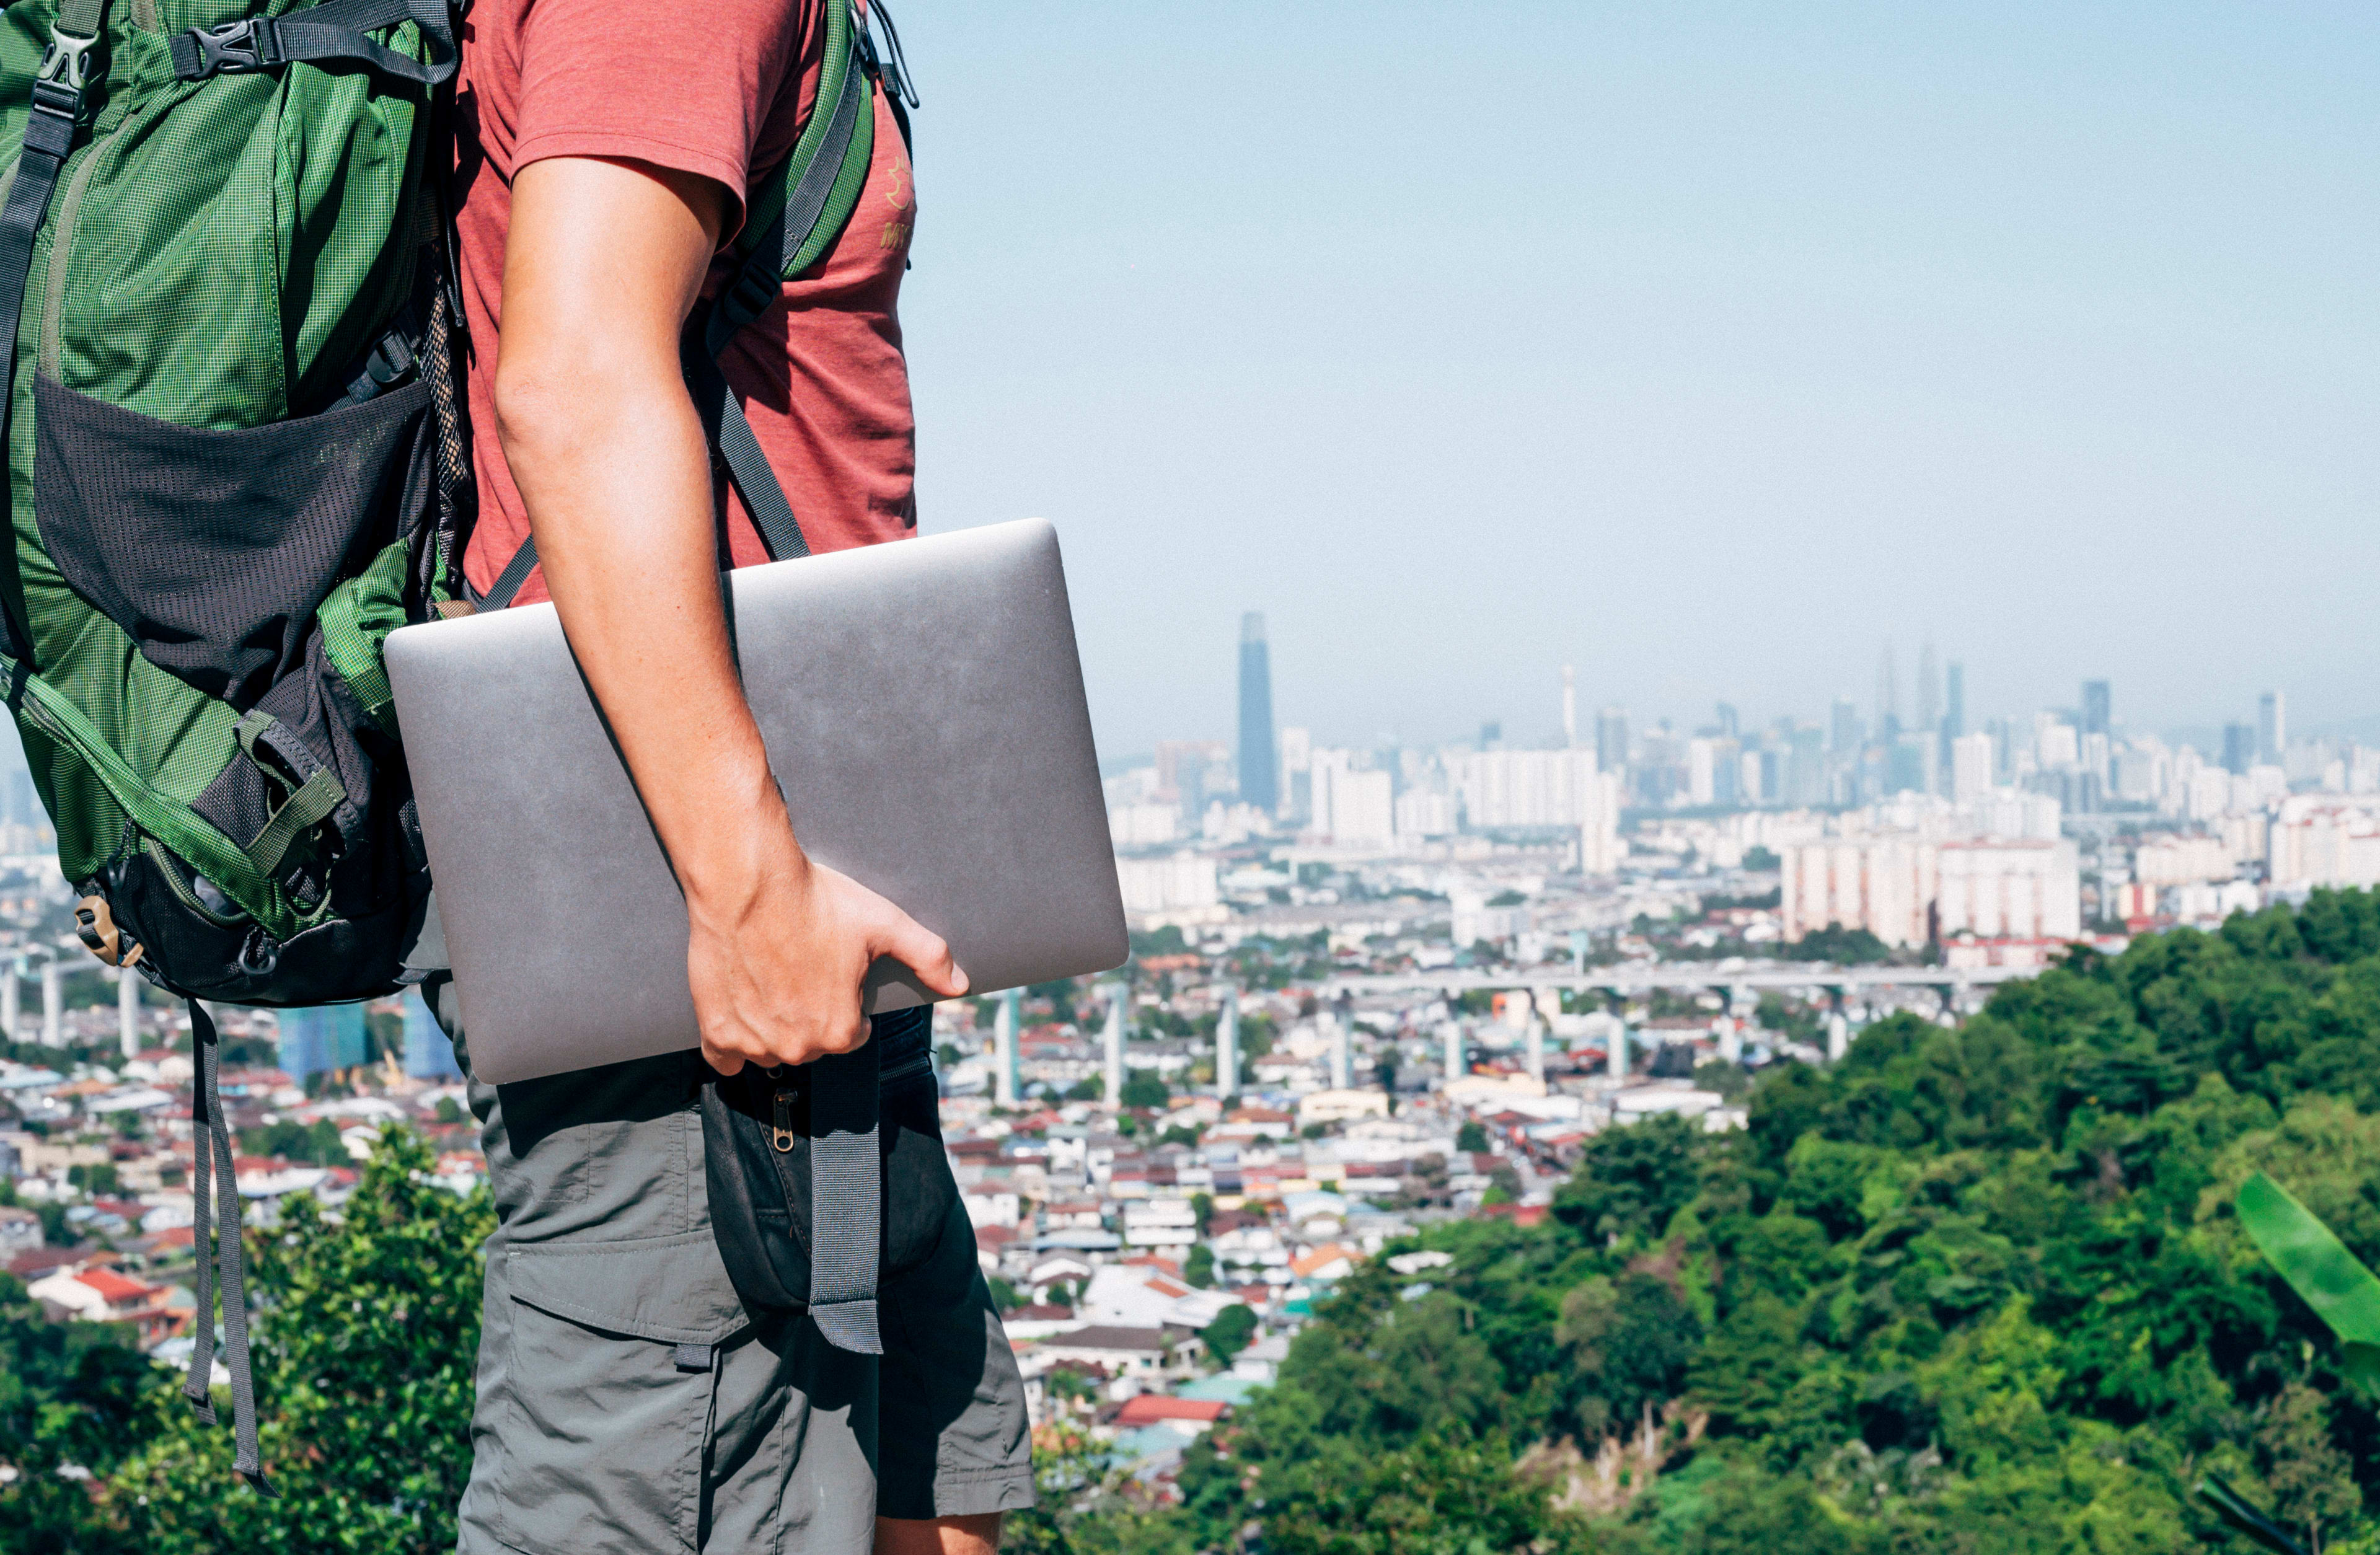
{"points": [[923, 952], [722, 1063]]}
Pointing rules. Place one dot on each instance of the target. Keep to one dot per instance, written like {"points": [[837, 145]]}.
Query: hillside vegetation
{"points": [[1974, 1290]]}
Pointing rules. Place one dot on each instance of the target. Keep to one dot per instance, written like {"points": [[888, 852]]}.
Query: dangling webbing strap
{"points": [[846, 1200], [823, 178], [219, 1215]]}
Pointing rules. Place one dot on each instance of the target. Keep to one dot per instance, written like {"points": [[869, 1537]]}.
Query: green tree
{"points": [[1448, 1494], [365, 1352], [1630, 1181], [2311, 1480], [1471, 1139], [73, 1397], [1198, 1269], [1145, 1087], [1230, 1333]]}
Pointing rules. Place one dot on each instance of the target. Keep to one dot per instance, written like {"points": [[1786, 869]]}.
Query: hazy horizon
{"points": [[1702, 352]]}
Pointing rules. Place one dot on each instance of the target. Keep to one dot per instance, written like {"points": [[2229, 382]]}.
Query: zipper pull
{"points": [[783, 1135]]}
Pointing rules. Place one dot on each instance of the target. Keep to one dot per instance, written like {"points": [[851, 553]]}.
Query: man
{"points": [[627, 1400]]}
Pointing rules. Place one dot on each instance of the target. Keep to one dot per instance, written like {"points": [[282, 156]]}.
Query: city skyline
{"points": [[1560, 715]]}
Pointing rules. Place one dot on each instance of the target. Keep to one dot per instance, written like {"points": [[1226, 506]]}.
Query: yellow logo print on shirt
{"points": [[896, 231]]}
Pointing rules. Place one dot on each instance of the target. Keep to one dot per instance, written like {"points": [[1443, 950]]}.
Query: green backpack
{"points": [[238, 459]]}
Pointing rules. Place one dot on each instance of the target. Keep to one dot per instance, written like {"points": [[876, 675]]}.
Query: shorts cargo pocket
{"points": [[610, 1376]]}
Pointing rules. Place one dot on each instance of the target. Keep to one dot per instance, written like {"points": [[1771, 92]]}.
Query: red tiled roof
{"points": [[1147, 1409], [41, 1260], [115, 1287]]}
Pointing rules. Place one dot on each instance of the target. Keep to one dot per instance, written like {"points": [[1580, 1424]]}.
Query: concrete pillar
{"points": [[1119, 1002], [1578, 942], [1333, 1031], [53, 1006], [1617, 1065], [1839, 1036], [1004, 1047], [1537, 1049], [1227, 1043], [1456, 1066], [1730, 1038], [9, 1012], [127, 1011]]}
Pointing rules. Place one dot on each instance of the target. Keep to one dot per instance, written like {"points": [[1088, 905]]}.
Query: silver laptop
{"points": [[923, 710]]}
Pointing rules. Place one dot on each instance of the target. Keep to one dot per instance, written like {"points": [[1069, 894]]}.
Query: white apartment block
{"points": [[2009, 890], [1885, 885], [1185, 882], [1971, 768], [1544, 788], [1905, 888], [2319, 840], [2181, 861], [1353, 808]]}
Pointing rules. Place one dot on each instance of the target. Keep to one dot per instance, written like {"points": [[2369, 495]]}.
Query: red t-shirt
{"points": [[720, 90]]}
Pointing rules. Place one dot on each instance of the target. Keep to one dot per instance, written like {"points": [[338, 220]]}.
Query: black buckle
{"points": [[237, 48], [752, 294]]}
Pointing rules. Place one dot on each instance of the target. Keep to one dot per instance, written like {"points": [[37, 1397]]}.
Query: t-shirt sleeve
{"points": [[681, 86]]}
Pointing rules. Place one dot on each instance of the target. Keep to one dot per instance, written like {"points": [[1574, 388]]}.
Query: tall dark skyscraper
{"points": [[1888, 700], [1611, 740], [2098, 707], [1259, 766], [1847, 734], [2239, 747]]}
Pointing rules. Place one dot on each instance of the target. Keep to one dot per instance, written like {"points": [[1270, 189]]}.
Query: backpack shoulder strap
{"points": [[797, 211]]}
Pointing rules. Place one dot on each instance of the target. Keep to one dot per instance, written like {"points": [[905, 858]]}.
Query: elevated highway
{"points": [[1636, 978]]}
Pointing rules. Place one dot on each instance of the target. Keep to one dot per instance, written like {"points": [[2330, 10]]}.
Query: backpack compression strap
{"points": [[334, 30], [49, 138], [212, 1137]]}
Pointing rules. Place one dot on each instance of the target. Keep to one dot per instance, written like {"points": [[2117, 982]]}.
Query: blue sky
{"points": [[1701, 347]]}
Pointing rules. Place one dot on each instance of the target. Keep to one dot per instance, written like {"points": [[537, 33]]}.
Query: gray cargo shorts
{"points": [[627, 1402]]}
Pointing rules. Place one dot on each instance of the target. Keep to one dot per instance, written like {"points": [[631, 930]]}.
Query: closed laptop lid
{"points": [[923, 710]]}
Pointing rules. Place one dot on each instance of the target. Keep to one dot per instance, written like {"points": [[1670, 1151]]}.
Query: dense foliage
{"points": [[364, 1353], [1975, 1289]]}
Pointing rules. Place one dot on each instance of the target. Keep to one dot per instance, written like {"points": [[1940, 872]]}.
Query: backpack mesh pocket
{"points": [[212, 549]]}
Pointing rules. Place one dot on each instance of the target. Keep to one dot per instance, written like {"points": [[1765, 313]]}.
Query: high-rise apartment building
{"points": [[1570, 708], [1296, 773], [1930, 689], [1353, 807], [1259, 765], [2271, 728], [2098, 708], [1971, 768]]}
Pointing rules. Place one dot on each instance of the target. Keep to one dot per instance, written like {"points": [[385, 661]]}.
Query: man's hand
{"points": [[776, 972], [603, 262]]}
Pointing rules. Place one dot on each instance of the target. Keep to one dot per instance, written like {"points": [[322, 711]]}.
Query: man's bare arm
{"points": [[603, 262]]}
